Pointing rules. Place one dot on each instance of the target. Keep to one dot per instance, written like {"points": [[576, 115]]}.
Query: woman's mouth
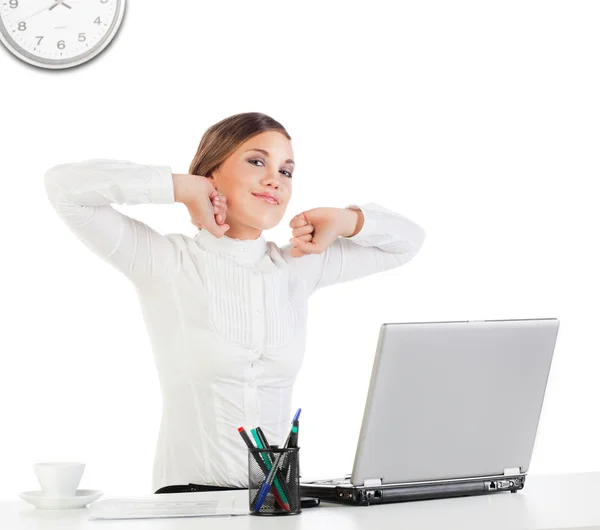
{"points": [[266, 198]]}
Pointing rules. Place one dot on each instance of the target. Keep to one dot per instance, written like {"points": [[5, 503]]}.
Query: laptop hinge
{"points": [[372, 482], [512, 470]]}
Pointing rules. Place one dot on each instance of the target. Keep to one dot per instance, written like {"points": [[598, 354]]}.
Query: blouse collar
{"points": [[243, 250]]}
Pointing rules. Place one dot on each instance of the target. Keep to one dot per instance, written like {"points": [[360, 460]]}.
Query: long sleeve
{"points": [[385, 241], [83, 193]]}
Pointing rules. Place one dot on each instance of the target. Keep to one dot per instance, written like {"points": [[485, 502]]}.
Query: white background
{"points": [[479, 120]]}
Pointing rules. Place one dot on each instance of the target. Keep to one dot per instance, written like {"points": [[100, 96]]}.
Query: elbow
{"points": [[415, 243], [420, 238], [56, 173], [53, 182], [53, 176], [417, 240]]}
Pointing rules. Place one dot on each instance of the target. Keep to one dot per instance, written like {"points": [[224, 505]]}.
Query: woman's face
{"points": [[263, 165]]}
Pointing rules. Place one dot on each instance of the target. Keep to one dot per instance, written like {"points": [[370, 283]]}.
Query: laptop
{"points": [[452, 410]]}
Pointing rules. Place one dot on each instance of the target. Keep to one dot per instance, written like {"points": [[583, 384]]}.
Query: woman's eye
{"points": [[288, 174]]}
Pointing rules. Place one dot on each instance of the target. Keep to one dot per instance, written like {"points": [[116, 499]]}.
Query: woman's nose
{"points": [[272, 179]]}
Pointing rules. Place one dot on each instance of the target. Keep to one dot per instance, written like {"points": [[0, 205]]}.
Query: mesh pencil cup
{"points": [[281, 494]]}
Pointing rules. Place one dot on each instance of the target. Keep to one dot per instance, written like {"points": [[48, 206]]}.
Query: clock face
{"points": [[59, 33]]}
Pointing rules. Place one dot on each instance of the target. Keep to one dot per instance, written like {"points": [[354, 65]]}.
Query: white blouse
{"points": [[226, 317]]}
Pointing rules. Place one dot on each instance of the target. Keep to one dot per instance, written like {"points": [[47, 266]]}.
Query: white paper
{"points": [[189, 504]]}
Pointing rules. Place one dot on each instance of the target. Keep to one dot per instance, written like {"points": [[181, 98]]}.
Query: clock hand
{"points": [[46, 6], [61, 2]]}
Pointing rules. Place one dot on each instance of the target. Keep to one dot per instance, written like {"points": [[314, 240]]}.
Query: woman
{"points": [[225, 309]]}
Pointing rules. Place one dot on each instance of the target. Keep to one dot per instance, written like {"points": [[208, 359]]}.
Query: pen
{"points": [[294, 422], [262, 437], [268, 464], [280, 476], [246, 438], [293, 439], [292, 442], [266, 485], [261, 464]]}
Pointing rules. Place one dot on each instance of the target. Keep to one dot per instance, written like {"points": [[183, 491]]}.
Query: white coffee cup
{"points": [[59, 479]]}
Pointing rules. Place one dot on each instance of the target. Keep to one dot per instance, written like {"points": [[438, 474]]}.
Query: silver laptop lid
{"points": [[454, 400]]}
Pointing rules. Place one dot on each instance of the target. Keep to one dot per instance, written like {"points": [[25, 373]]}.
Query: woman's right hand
{"points": [[207, 207]]}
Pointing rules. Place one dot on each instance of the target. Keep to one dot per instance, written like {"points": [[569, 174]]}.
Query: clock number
{"points": [[97, 21], [40, 39], [22, 26], [13, 4], [82, 37], [60, 44]]}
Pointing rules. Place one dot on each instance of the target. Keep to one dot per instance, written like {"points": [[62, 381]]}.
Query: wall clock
{"points": [[59, 33]]}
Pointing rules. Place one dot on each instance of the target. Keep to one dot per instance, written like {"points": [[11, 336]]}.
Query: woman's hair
{"points": [[224, 137]]}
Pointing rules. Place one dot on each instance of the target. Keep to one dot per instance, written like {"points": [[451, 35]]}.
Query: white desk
{"points": [[547, 501]]}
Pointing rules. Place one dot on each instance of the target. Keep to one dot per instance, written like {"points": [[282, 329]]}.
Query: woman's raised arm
{"points": [[386, 240], [83, 193]]}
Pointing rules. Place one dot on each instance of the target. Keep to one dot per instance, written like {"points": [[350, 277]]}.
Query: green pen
{"points": [[269, 465]]}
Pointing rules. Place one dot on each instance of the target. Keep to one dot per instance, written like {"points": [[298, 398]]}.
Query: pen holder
{"points": [[281, 494]]}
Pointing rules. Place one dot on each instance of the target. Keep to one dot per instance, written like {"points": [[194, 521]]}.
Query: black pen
{"points": [[293, 438], [263, 438]]}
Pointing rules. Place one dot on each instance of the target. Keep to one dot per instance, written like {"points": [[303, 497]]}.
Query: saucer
{"points": [[44, 502]]}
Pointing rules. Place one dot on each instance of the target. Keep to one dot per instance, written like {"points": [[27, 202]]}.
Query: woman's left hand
{"points": [[315, 230]]}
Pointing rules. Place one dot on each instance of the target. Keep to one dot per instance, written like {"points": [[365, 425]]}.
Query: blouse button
{"points": [[257, 312], [245, 249]]}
